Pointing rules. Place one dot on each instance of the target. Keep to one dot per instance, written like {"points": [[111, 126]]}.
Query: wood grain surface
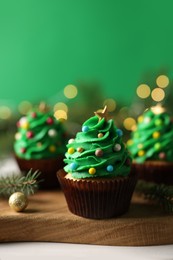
{"points": [[47, 218]]}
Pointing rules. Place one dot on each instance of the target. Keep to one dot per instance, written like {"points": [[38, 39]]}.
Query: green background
{"points": [[47, 44]]}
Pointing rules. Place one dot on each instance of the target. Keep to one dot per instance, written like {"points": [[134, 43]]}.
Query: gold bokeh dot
{"points": [[60, 106], [5, 112], [143, 91], [110, 103], [157, 94], [129, 123], [60, 115], [162, 81], [24, 107], [70, 91]]}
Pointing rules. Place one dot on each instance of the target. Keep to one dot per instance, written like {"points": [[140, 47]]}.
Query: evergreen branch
{"points": [[27, 184], [160, 193]]}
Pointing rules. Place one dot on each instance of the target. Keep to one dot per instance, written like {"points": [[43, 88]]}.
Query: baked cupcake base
{"points": [[98, 198], [47, 167], [154, 171]]}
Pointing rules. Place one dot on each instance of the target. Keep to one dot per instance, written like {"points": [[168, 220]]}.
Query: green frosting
{"points": [[97, 151], [39, 135], [153, 137]]}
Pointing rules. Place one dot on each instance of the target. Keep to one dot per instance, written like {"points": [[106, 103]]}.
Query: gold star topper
{"points": [[102, 113], [158, 109]]}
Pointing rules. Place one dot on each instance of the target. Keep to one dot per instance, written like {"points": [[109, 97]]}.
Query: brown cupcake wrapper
{"points": [[98, 199], [153, 171], [46, 167]]}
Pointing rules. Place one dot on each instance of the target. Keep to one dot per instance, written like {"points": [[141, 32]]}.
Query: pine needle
{"points": [[160, 193], [28, 184]]}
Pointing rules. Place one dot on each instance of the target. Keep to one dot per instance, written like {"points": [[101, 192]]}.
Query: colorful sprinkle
{"points": [[140, 119], [80, 149], [140, 146], [141, 153], [49, 121], [147, 120], [99, 152], [29, 134], [100, 135], [119, 132], [39, 144], [71, 150], [162, 155], [110, 168], [33, 115], [157, 146], [117, 147], [156, 135], [85, 128], [70, 140], [23, 123], [158, 122], [73, 166], [52, 133], [23, 150], [130, 142], [52, 148], [92, 170], [17, 136]]}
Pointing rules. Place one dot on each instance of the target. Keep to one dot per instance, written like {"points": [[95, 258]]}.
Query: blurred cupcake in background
{"points": [[40, 144], [151, 146]]}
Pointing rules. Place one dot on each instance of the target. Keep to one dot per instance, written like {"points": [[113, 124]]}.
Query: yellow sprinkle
{"points": [[52, 148], [92, 171], [25, 125], [71, 150], [100, 135], [129, 142], [141, 153], [156, 135], [140, 119], [39, 144], [17, 136]]}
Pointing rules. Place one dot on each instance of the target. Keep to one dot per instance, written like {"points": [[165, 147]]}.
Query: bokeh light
{"points": [[24, 107], [110, 103], [129, 123], [143, 91], [60, 106], [70, 91], [60, 115], [157, 94], [162, 81], [5, 112]]}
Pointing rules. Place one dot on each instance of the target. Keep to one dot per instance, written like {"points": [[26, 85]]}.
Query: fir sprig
{"points": [[28, 184], [160, 193]]}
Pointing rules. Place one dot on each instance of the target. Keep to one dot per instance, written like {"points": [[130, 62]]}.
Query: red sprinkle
{"points": [[29, 134], [49, 121]]}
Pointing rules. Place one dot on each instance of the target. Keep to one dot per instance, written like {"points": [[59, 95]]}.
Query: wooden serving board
{"points": [[47, 218]]}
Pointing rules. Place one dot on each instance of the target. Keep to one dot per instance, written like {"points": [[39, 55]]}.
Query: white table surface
{"points": [[43, 250]]}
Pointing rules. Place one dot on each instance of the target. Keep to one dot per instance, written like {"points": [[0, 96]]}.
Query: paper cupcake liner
{"points": [[98, 199], [154, 171], [47, 168]]}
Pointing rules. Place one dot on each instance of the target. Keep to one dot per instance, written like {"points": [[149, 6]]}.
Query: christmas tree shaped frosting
{"points": [[97, 150], [153, 137], [39, 135]]}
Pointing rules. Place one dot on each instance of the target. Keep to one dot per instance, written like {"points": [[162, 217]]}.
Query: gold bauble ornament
{"points": [[18, 201]]}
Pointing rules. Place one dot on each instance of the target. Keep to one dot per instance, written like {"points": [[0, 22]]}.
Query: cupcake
{"points": [[97, 180], [40, 145], [151, 146]]}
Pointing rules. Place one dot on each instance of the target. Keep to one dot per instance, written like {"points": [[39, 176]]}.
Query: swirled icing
{"points": [[153, 137], [39, 135], [97, 151]]}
